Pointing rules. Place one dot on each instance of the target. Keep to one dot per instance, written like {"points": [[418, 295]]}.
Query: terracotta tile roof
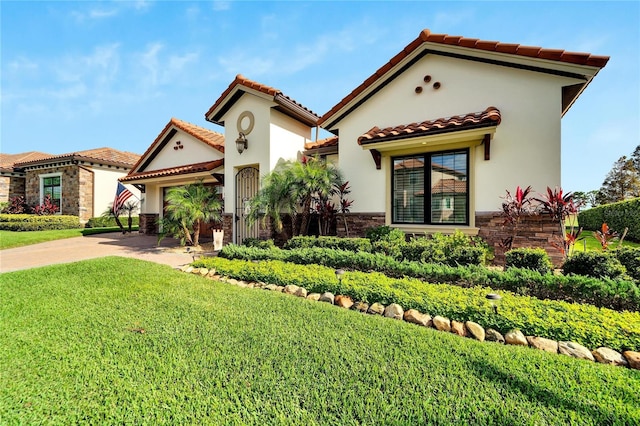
{"points": [[426, 36], [175, 171], [322, 143], [211, 138], [107, 156], [449, 186], [8, 160], [486, 118], [409, 163], [286, 104]]}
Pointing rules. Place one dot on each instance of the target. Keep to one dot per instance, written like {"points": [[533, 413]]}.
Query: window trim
{"points": [[427, 189], [41, 195]]}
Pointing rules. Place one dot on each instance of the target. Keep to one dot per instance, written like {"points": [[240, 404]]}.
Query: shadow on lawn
{"points": [[598, 412]]}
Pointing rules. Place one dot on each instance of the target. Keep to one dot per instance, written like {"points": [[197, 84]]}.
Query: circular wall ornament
{"points": [[245, 122]]}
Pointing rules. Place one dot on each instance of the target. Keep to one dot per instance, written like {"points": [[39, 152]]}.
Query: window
{"points": [[51, 186], [431, 188]]}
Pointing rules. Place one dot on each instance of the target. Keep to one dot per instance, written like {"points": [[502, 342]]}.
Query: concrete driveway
{"points": [[138, 246]]}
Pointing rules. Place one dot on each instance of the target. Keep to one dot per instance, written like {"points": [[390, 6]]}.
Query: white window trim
{"points": [[41, 195]]}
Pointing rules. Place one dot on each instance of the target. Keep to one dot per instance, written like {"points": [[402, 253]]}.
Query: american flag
{"points": [[122, 195]]}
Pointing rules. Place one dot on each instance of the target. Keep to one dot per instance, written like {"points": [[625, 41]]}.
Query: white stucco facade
{"points": [[433, 78]]}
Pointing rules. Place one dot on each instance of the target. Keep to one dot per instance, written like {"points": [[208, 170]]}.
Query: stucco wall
{"points": [[105, 185], [193, 151], [526, 146]]}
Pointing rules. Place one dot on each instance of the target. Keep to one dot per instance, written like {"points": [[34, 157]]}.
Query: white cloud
{"points": [[283, 60], [159, 69], [22, 65], [220, 5]]}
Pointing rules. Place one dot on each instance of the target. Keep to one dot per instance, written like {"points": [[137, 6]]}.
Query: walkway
{"points": [[138, 246]]}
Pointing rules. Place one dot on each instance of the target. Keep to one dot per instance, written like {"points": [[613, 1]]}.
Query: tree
{"points": [[585, 199], [187, 208], [635, 159], [621, 183]]}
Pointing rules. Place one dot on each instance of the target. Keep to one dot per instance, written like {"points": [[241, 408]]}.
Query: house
{"points": [[81, 183], [12, 180], [429, 142]]}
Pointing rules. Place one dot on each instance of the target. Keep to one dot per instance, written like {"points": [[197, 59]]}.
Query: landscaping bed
{"points": [[117, 340], [588, 325]]}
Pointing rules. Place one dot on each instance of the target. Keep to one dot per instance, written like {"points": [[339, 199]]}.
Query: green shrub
{"points": [[386, 233], [337, 243], [452, 250], [258, 243], [29, 222], [535, 259], [109, 222], [587, 325], [594, 264], [630, 258], [625, 214], [602, 292]]}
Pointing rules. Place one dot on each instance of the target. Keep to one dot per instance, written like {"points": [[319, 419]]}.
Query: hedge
{"points": [[30, 222], [585, 324], [625, 214], [337, 243], [108, 222], [612, 294]]}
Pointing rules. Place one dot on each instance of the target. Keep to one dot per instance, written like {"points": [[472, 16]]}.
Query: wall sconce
{"points": [[241, 143]]}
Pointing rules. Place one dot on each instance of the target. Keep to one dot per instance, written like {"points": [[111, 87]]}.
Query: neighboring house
{"points": [[429, 142], [81, 183], [12, 180]]}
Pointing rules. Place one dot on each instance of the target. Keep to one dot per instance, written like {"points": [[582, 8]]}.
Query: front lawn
{"points": [[117, 340], [10, 239]]}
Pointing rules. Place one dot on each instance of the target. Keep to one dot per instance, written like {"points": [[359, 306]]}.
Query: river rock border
{"points": [[467, 329]]}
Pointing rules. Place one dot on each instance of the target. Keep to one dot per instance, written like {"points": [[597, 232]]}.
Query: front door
{"points": [[247, 183]]}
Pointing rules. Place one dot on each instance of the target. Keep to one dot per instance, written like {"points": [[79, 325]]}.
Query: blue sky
{"points": [[82, 75]]}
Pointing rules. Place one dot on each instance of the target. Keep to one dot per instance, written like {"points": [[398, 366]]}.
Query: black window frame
{"points": [[427, 213]]}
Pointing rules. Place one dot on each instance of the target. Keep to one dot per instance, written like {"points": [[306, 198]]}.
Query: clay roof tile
{"points": [[426, 36], [488, 117]]}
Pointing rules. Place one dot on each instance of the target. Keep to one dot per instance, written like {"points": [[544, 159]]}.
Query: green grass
{"points": [[71, 352], [591, 244], [10, 239]]}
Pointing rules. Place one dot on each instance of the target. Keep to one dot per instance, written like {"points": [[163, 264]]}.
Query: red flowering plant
{"points": [[562, 208], [605, 235], [514, 208]]}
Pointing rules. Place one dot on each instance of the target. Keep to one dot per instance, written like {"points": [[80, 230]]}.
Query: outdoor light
{"points": [[241, 143], [339, 274], [495, 301]]}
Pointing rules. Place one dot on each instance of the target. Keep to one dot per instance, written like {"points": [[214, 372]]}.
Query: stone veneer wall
{"points": [[148, 223], [75, 182], [85, 194], [11, 187], [533, 231], [358, 223]]}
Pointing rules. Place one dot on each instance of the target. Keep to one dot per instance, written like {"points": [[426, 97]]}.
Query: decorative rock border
{"points": [[467, 329]]}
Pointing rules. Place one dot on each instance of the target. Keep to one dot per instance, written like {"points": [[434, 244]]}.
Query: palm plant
{"points": [[314, 179], [292, 188], [187, 208], [129, 208], [274, 198]]}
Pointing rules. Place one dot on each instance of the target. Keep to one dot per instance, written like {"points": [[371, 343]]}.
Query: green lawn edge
{"points": [[73, 350]]}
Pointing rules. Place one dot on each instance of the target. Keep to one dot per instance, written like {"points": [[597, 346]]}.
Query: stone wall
{"points": [[77, 186], [358, 223], [148, 223], [11, 187], [85, 194], [533, 231]]}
